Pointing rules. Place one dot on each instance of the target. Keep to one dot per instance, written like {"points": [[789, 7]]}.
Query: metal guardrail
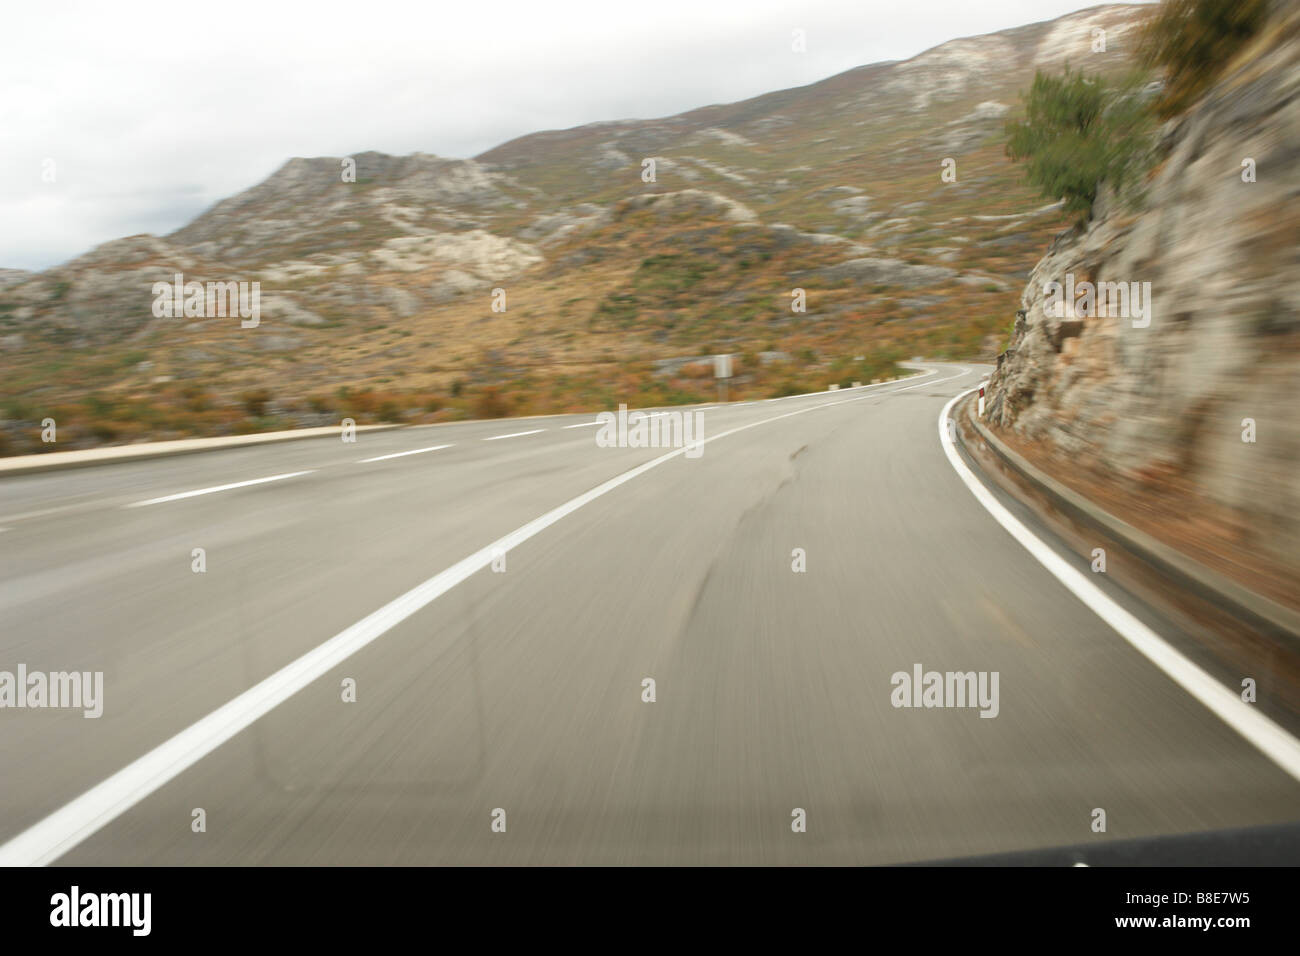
{"points": [[1259, 612]]}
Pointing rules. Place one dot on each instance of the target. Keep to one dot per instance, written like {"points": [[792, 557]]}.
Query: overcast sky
{"points": [[151, 112]]}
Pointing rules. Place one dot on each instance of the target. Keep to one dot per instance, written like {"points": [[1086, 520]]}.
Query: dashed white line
{"points": [[215, 488], [1270, 738], [48, 511], [532, 431], [581, 425], [402, 454]]}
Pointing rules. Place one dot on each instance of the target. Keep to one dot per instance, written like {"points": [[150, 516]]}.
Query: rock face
{"points": [[1173, 399], [306, 198]]}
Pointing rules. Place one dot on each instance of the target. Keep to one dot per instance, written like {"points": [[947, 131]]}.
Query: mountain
{"points": [[377, 289]]}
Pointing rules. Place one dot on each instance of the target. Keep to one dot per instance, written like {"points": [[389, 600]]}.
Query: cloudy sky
{"points": [[143, 114]]}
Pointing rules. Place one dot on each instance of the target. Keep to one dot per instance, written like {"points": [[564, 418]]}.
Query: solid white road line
{"points": [[778, 399], [402, 454], [964, 371], [1271, 739], [860, 388], [50, 838], [533, 431], [215, 488]]}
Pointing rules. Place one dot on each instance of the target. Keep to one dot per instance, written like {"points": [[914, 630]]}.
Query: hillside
{"points": [[377, 294]]}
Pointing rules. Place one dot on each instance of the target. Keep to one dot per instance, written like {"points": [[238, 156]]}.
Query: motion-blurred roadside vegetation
{"points": [[1192, 41]]}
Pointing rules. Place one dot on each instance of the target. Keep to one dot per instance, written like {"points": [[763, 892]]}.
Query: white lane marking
{"points": [[1274, 741], [50, 838], [782, 398], [896, 391], [964, 371], [208, 491], [533, 431], [82, 506], [581, 425], [402, 454]]}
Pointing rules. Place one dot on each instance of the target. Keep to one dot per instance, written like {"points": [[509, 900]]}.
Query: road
{"points": [[521, 690]]}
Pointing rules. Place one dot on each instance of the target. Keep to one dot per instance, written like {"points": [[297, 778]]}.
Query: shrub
{"points": [[255, 402], [1077, 133], [490, 403], [196, 399], [788, 387], [1191, 41]]}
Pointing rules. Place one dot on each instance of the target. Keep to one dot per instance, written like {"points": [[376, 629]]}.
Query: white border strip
{"points": [[1270, 738]]}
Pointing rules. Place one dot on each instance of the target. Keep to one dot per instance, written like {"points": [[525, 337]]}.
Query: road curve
{"points": [[479, 690]]}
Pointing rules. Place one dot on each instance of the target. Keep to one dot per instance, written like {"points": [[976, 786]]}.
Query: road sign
{"points": [[722, 372]]}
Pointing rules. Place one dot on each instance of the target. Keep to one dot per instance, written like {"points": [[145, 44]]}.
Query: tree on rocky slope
{"points": [[1079, 131]]}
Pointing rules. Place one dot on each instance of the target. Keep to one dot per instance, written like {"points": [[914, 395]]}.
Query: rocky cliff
{"points": [[1201, 390]]}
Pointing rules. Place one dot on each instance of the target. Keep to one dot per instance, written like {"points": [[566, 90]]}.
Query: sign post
{"points": [[722, 372]]}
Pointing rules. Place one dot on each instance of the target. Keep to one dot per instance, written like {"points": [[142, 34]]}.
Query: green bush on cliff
{"points": [[1078, 132]]}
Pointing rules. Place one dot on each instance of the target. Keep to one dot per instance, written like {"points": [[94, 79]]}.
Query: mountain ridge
{"points": [[386, 285]]}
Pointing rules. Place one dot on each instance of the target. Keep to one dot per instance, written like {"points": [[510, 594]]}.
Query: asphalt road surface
{"points": [[521, 690]]}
